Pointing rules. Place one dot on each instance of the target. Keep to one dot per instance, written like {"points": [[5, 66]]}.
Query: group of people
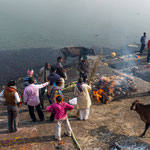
{"points": [[143, 44], [51, 80]]}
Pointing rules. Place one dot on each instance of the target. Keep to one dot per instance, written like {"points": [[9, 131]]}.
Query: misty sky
{"points": [[43, 23]]}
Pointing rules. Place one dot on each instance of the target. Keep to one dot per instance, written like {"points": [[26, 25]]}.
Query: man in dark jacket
{"points": [[53, 77], [143, 41], [60, 70], [83, 68], [59, 66], [148, 54]]}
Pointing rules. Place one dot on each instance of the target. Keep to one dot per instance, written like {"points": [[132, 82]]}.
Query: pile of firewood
{"points": [[113, 87]]}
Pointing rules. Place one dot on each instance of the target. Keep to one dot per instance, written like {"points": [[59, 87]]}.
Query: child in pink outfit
{"points": [[60, 109]]}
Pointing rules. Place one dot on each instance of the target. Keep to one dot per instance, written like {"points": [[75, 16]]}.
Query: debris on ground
{"points": [[70, 85], [73, 101], [130, 57], [133, 146]]}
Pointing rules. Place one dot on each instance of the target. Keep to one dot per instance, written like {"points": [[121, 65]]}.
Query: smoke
{"points": [[127, 60]]}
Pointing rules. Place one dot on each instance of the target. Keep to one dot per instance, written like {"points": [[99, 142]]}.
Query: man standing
{"points": [[83, 101], [83, 69], [143, 40], [53, 77], [31, 98], [12, 99], [60, 70], [44, 73], [148, 54]]}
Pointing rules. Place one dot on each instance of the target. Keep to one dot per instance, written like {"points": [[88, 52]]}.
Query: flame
{"points": [[111, 87], [98, 94], [111, 90], [138, 56]]}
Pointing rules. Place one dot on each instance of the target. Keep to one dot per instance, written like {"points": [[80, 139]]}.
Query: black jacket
{"points": [[60, 70]]}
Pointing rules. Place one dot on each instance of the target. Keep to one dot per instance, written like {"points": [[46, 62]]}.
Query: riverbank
{"points": [[108, 123], [14, 63]]}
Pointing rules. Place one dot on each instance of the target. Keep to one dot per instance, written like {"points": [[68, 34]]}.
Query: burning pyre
{"points": [[113, 87]]}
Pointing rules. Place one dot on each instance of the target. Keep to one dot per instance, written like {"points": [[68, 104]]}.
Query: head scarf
{"points": [[30, 72]]}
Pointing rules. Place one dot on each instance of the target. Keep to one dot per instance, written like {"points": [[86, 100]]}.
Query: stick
{"points": [[97, 61], [75, 140]]}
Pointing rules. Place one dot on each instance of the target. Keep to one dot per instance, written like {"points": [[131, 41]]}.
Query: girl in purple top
{"points": [[60, 108]]}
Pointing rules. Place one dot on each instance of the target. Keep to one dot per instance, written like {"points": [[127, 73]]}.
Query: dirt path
{"points": [[111, 123], [31, 136]]}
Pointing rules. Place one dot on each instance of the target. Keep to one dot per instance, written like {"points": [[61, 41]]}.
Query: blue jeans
{"points": [[43, 91], [41, 97], [148, 55], [142, 48]]}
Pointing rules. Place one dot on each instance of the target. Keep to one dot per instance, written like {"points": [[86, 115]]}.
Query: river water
{"points": [[60, 23]]}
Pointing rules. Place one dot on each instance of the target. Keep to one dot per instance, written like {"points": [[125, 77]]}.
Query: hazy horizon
{"points": [[49, 23]]}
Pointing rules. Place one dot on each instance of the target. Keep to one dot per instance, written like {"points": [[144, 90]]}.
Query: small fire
{"points": [[138, 56], [98, 95], [110, 88]]}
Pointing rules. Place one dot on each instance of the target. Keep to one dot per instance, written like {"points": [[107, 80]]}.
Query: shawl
{"points": [[79, 86]]}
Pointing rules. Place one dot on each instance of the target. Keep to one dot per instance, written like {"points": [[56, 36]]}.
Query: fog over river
{"points": [[60, 23]]}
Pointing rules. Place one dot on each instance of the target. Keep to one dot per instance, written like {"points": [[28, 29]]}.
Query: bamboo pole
{"points": [[96, 64], [75, 140]]}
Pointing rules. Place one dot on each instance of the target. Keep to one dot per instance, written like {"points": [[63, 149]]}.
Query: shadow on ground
{"points": [[103, 134], [39, 139]]}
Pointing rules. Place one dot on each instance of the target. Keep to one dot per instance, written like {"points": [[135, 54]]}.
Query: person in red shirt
{"points": [[148, 54], [60, 108]]}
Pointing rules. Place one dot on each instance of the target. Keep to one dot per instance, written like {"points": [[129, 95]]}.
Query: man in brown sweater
{"points": [[12, 100]]}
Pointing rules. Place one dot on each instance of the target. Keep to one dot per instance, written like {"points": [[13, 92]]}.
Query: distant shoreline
{"points": [[13, 64]]}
